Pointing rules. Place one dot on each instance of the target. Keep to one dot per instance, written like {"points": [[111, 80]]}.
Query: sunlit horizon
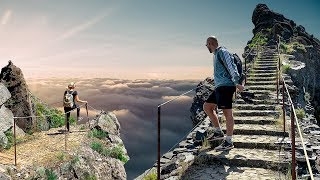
{"points": [[129, 39]]}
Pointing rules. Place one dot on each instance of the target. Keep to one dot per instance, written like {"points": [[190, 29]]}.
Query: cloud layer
{"points": [[135, 104]]}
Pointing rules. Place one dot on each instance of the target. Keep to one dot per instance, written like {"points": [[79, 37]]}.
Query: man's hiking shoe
{"points": [[215, 136], [224, 146]]}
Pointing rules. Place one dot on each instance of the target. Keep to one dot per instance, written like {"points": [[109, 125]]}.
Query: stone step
{"points": [[253, 87], [261, 83], [271, 62], [255, 107], [260, 99], [261, 78], [274, 61], [259, 64], [267, 58], [272, 66], [214, 170], [257, 74], [263, 71], [255, 113], [255, 142], [255, 120], [258, 129], [265, 67], [255, 101], [242, 157], [261, 92]]}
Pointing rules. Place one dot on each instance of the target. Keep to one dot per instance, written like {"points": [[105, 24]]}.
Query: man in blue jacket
{"points": [[226, 80]]}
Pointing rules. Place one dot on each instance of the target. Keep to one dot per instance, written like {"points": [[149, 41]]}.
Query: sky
{"points": [[131, 39]]}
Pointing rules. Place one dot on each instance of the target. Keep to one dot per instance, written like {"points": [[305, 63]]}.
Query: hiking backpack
{"points": [[68, 99], [237, 61]]}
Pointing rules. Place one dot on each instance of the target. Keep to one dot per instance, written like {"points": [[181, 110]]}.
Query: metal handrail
{"points": [[159, 124], [293, 118]]}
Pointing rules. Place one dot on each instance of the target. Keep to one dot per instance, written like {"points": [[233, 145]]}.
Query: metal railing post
{"points": [[283, 109], [14, 141], [87, 115], [245, 69], [158, 163], [293, 143]]}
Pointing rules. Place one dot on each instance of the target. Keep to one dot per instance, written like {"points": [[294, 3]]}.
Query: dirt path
{"points": [[44, 148]]}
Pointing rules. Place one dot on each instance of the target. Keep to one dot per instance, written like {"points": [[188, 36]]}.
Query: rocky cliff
{"points": [[91, 151], [301, 59], [19, 103]]}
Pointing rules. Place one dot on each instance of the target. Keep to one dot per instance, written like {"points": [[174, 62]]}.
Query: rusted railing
{"points": [[293, 118]]}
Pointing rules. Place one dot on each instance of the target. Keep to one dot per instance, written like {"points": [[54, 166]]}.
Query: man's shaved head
{"points": [[212, 43]]}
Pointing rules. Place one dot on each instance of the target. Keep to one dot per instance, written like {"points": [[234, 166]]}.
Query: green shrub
{"points": [[293, 47], [88, 176], [75, 159], [98, 134], [285, 68], [9, 135], [55, 117], [283, 47], [151, 176], [51, 175], [115, 152], [97, 146], [307, 96], [61, 156], [259, 39], [300, 113]]}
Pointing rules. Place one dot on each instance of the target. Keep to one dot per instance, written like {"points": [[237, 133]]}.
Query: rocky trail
{"points": [[44, 148]]}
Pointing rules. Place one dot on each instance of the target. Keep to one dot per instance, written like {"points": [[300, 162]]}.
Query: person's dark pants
{"points": [[68, 110]]}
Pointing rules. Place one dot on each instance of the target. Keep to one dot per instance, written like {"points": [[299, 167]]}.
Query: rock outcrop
{"points": [[96, 163], [19, 103], [204, 89], [304, 50], [6, 116]]}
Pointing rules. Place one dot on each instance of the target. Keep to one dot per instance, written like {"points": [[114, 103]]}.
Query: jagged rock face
{"points": [[307, 78], [4, 94], [264, 18], [19, 103], [92, 162], [203, 91], [6, 116]]}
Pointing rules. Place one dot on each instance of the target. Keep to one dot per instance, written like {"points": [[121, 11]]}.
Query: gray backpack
{"points": [[68, 99]]}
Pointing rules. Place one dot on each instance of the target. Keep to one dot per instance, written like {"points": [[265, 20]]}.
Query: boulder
{"points": [[3, 140], [6, 119], [4, 94], [19, 103]]}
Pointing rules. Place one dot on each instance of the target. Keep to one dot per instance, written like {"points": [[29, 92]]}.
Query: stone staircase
{"points": [[256, 133]]}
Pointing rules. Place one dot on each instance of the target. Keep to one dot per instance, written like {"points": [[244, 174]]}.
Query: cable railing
{"points": [[293, 120]]}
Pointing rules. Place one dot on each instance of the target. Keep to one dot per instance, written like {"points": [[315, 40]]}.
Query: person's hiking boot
{"points": [[225, 145], [215, 136]]}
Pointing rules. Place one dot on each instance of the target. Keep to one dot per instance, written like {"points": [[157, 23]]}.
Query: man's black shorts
{"points": [[222, 96]]}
